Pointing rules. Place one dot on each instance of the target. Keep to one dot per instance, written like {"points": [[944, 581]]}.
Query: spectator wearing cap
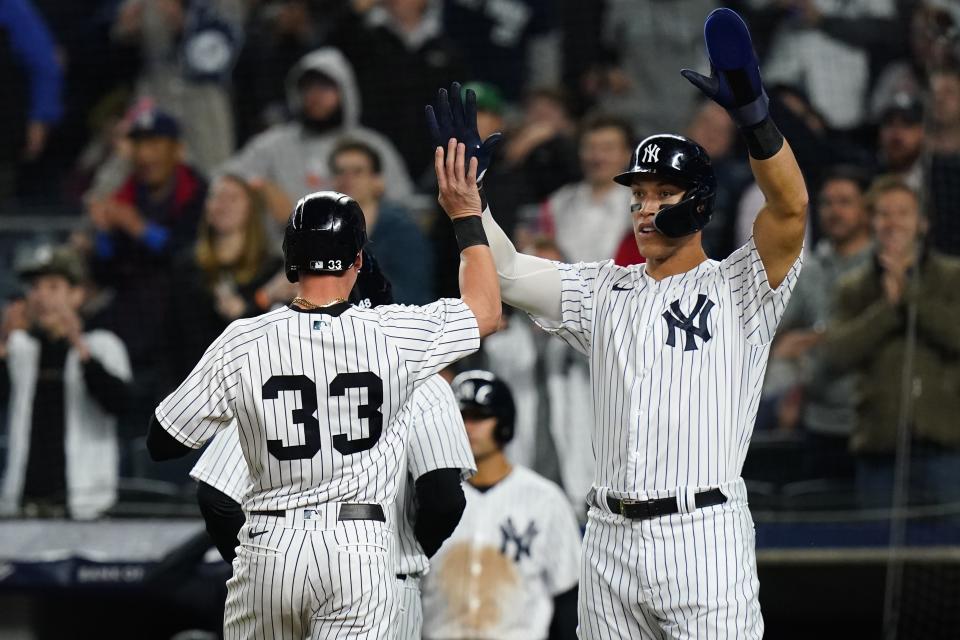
{"points": [[901, 139], [139, 229], [290, 160], [398, 48], [187, 50], [33, 84], [399, 245], [64, 388], [868, 338]]}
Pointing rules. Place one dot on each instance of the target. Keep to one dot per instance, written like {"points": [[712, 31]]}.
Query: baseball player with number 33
{"points": [[677, 348], [314, 390]]}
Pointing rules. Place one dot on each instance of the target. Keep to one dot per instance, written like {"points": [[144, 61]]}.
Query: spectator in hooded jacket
{"points": [[290, 160]]}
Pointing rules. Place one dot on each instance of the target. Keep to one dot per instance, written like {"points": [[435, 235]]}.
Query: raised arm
{"points": [[526, 282], [735, 85], [460, 198]]}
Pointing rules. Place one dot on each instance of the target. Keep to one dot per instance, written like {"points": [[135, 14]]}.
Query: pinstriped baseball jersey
{"points": [[314, 396], [437, 440], [516, 548], [676, 365]]}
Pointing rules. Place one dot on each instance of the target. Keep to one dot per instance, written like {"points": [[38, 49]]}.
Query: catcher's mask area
{"points": [[679, 161], [324, 235]]}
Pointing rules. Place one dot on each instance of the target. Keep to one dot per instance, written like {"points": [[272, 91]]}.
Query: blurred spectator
{"points": [[544, 148], [288, 161], [551, 387], [944, 131], [65, 388], [930, 48], [868, 337], [150, 219], [588, 219], [823, 47], [33, 84], [400, 55], [278, 33], [188, 49], [639, 35], [399, 245], [512, 44], [825, 402], [225, 276], [901, 139], [714, 130]]}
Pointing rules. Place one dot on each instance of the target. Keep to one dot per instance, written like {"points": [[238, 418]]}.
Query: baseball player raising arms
{"points": [[677, 350], [438, 456], [313, 390]]}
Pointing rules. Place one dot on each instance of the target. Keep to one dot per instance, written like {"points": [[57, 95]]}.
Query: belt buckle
{"points": [[629, 502]]}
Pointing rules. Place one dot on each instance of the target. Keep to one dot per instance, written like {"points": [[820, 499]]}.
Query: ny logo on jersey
{"points": [[521, 542], [651, 153], [677, 320]]}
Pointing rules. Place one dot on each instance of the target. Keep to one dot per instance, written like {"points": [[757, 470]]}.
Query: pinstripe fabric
{"points": [[290, 582], [676, 367], [438, 440], [516, 548], [408, 618], [309, 443], [684, 576], [402, 346]]}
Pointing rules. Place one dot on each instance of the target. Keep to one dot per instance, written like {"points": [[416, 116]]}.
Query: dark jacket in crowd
{"points": [[193, 321], [868, 337], [397, 76], [138, 270]]}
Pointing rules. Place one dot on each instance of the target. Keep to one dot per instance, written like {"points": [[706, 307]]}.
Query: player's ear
{"points": [[358, 263]]}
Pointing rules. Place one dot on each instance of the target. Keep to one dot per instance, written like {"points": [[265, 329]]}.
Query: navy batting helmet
{"points": [[372, 288], [483, 394], [325, 233], [684, 162]]}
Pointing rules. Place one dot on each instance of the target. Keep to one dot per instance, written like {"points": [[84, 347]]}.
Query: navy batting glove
{"points": [[456, 118], [734, 82]]}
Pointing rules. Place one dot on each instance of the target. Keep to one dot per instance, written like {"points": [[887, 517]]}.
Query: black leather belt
{"points": [[348, 511], [654, 508], [401, 576]]}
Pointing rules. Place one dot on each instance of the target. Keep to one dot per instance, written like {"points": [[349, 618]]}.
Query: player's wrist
{"points": [[468, 229], [763, 139]]}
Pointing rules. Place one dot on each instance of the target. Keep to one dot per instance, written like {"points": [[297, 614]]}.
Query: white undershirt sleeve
{"points": [[526, 282]]}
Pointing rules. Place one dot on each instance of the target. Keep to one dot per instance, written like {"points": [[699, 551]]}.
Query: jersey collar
{"points": [[333, 310]]}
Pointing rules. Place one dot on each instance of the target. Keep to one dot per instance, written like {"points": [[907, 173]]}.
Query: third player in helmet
{"points": [[486, 404], [673, 186]]}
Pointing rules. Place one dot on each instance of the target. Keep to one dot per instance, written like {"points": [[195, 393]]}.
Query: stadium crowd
{"points": [[154, 149]]}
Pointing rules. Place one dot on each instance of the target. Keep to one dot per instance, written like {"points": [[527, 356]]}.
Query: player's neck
{"points": [[685, 258], [322, 290], [491, 470]]}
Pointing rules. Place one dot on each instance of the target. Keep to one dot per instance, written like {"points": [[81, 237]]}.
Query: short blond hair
{"points": [[883, 185]]}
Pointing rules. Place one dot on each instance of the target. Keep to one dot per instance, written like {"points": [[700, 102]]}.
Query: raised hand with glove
{"points": [[455, 117], [735, 83]]}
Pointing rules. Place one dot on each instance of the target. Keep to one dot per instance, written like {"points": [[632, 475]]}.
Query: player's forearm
{"points": [[526, 282], [479, 287], [782, 184]]}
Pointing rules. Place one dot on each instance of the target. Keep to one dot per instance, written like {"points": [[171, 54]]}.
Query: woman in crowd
{"points": [[230, 273]]}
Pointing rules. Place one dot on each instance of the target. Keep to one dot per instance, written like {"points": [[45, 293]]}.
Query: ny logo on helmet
{"points": [[676, 319], [651, 153]]}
